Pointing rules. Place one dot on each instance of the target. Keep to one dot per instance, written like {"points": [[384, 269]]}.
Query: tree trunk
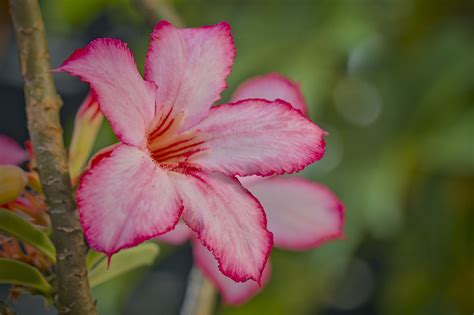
{"points": [[73, 295]]}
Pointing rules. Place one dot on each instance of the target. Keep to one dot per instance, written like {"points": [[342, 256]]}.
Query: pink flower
{"points": [[301, 214], [11, 152], [178, 156]]}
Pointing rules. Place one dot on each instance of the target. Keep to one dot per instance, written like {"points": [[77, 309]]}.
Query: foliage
{"points": [[19, 273], [126, 260], [13, 225]]}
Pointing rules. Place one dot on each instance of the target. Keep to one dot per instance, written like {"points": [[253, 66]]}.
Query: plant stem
{"points": [[200, 295], [154, 10], [73, 295]]}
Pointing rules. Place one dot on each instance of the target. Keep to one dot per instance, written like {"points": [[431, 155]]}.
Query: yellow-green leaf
{"points": [[20, 273], [122, 262], [13, 225], [92, 258]]}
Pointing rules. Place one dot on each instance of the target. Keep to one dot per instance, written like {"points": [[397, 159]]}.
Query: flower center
{"points": [[168, 146]]}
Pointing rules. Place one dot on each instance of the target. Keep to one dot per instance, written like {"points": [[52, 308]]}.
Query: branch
{"points": [[42, 108], [154, 10], [200, 295]]}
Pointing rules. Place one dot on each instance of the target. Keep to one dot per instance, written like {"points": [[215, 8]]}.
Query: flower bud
{"points": [[12, 183], [86, 126]]}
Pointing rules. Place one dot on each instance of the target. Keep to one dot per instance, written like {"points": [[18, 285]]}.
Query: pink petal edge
{"points": [[301, 214], [203, 196], [93, 206], [253, 125], [125, 99], [190, 66], [272, 86], [233, 293]]}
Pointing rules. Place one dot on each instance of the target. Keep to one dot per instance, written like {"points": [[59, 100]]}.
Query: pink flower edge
{"points": [[312, 153], [102, 156], [307, 215], [214, 250], [233, 293], [272, 86], [164, 35]]}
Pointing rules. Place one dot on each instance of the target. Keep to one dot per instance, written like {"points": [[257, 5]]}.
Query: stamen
{"points": [[182, 156], [182, 150], [166, 146], [163, 121], [171, 145], [156, 135]]}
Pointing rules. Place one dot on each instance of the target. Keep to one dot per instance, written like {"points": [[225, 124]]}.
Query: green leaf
{"points": [[20, 273], [15, 226], [124, 261], [92, 258]]}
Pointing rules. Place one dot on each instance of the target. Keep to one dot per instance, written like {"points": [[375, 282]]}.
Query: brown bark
{"points": [[42, 107]]}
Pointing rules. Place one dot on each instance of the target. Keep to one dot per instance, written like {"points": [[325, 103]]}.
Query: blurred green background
{"points": [[392, 82]]}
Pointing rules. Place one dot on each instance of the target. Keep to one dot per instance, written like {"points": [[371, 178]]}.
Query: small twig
{"points": [[154, 10], [42, 108], [200, 295]]}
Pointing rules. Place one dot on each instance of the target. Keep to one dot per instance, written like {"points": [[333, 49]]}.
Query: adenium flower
{"points": [[301, 214], [178, 157]]}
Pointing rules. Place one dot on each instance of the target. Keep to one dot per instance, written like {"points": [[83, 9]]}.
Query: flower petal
{"points": [[271, 87], [190, 67], [101, 154], [301, 214], [126, 199], [228, 220], [180, 234], [258, 137], [11, 152], [232, 292], [126, 100]]}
